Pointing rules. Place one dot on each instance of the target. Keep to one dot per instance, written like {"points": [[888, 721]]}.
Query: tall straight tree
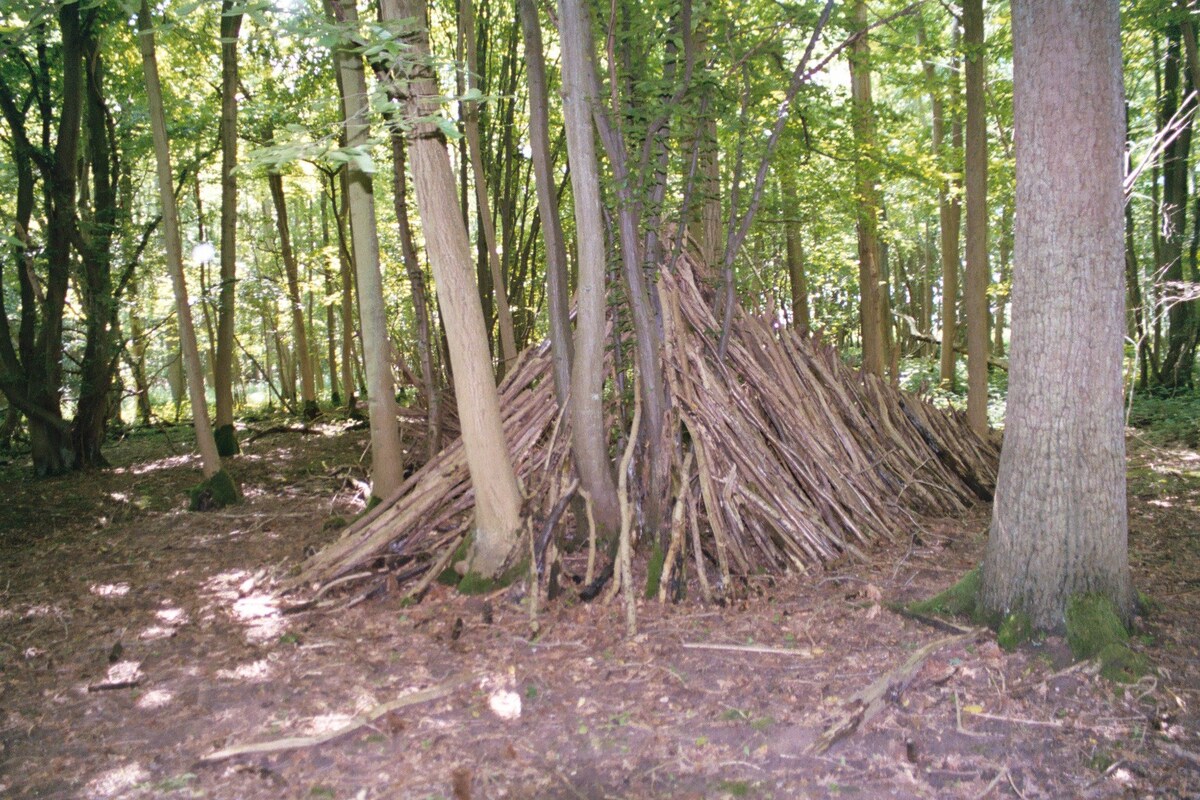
{"points": [[221, 488], [497, 495], [387, 456], [508, 346], [308, 390], [1059, 526], [975, 301], [557, 276], [949, 207], [867, 201], [231, 25], [590, 443]]}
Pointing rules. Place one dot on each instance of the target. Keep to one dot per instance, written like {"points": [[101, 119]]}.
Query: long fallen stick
{"points": [[298, 742], [868, 702]]}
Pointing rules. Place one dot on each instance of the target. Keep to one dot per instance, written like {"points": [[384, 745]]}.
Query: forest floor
{"points": [[137, 638]]}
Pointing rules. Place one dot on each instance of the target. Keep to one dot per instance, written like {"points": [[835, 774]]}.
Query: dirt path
{"points": [[105, 581]]}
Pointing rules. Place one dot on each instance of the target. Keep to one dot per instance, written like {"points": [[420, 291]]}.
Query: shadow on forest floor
{"points": [[136, 638]]}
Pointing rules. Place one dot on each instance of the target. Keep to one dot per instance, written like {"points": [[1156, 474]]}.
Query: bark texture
{"points": [[497, 496], [869, 272], [590, 445], [1059, 525], [387, 457], [975, 301]]}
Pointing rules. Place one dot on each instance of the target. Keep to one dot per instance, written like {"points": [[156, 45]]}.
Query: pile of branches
{"points": [[799, 458], [785, 458]]}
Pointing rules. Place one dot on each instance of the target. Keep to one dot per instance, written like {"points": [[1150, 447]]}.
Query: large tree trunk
{"points": [[387, 456], [1059, 523], [869, 271], [210, 460], [497, 496], [226, 436], [590, 434], [975, 301], [96, 233], [308, 389], [557, 277]]}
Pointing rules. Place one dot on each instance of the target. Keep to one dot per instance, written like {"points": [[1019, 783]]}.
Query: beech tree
{"points": [[497, 495], [387, 457], [231, 25], [218, 488], [1059, 525]]}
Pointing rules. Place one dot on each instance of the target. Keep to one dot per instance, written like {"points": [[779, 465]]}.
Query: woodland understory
{"points": [[137, 638]]}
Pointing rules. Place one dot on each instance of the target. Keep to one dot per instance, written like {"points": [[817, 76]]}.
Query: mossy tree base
{"points": [[215, 492], [227, 442], [467, 581], [1093, 626]]}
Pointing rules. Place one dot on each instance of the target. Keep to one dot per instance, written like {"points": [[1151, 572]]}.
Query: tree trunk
{"points": [[210, 460], [797, 270], [99, 297], [497, 496], [1059, 523], [589, 432], [975, 301], [226, 436], [416, 284], [867, 201], [557, 277], [508, 346], [949, 216], [1178, 363], [387, 456], [308, 390]]}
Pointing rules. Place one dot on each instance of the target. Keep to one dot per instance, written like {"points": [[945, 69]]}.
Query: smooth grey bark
{"points": [[557, 275], [1059, 525], [387, 456], [210, 460], [590, 434]]}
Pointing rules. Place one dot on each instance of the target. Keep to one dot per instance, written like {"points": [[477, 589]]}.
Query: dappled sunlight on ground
{"points": [[155, 698], [116, 781], [109, 589], [257, 671], [171, 462]]}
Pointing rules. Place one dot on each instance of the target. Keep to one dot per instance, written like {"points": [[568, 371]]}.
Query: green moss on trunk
{"points": [[654, 571], [227, 442], [215, 492], [1095, 630]]}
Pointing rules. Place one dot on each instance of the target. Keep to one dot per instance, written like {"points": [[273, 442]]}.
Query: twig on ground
{"points": [[803, 652], [363, 720], [866, 703]]}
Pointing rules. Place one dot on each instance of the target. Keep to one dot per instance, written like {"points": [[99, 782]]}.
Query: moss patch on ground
{"points": [[960, 600]]}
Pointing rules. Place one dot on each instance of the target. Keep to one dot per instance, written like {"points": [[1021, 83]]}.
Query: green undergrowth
{"points": [[1167, 420]]}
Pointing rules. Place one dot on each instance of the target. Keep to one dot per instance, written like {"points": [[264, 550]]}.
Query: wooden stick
{"points": [[298, 742]]}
